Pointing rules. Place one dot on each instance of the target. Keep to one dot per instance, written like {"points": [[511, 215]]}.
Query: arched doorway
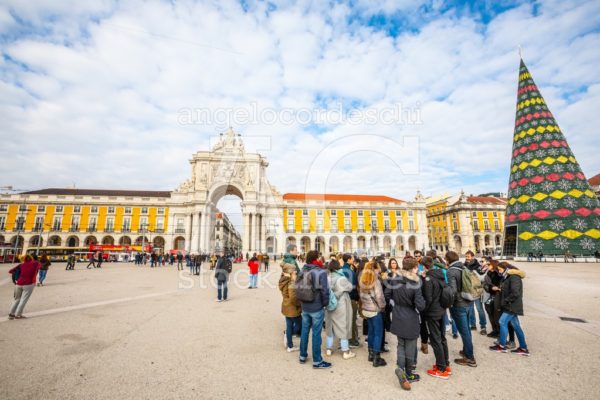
{"points": [[399, 245], [320, 244], [290, 240], [227, 222], [374, 245], [305, 244], [72, 241], [158, 243], [139, 240], [35, 241], [334, 244], [18, 241], [362, 243], [387, 244], [90, 240], [108, 240], [179, 243], [477, 240], [412, 244], [458, 244], [54, 241], [348, 244], [125, 241]]}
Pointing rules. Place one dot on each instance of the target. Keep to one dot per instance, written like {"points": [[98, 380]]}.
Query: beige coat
{"points": [[339, 321], [290, 306]]}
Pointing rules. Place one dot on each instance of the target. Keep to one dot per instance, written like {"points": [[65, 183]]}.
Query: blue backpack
{"points": [[333, 301]]}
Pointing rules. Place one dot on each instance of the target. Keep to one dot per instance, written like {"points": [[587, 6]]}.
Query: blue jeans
{"points": [[293, 326], [253, 280], [375, 332], [480, 311], [460, 315], [513, 319], [42, 273], [222, 289], [312, 321]]}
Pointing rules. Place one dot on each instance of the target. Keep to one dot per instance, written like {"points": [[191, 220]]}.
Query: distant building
{"points": [[594, 182]]}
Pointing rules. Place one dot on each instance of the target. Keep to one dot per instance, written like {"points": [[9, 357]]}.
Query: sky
{"points": [[107, 94]]}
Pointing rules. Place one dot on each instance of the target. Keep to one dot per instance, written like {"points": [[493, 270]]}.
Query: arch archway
{"points": [[271, 244], [291, 240], [458, 244], [412, 243], [387, 244], [72, 241], [179, 243], [19, 240], [305, 244], [54, 240], [108, 240], [498, 240], [334, 244], [159, 242], [374, 244], [361, 243], [35, 241], [125, 241], [139, 240], [348, 244], [399, 245], [320, 244], [90, 240]]}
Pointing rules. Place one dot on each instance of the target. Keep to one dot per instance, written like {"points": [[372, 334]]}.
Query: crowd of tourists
{"points": [[420, 297]]}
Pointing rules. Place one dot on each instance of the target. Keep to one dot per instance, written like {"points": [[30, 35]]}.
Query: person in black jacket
{"points": [[433, 315], [491, 284], [405, 291], [222, 271], [511, 302]]}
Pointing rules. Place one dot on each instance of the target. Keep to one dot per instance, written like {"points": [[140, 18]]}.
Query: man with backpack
{"points": [[438, 297], [473, 265], [312, 289], [222, 271], [459, 278]]}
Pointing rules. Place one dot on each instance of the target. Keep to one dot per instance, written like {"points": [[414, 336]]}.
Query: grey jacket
{"points": [[455, 281]]}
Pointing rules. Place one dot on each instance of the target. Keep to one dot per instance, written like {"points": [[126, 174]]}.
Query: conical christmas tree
{"points": [[551, 207]]}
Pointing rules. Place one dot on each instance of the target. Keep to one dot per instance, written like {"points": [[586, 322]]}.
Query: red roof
{"points": [[101, 192], [595, 180], [486, 200], [340, 197]]}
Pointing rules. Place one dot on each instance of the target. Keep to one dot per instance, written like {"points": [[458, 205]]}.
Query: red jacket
{"points": [[28, 273], [253, 264]]}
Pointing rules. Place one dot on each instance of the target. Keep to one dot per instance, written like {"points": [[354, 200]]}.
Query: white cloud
{"points": [[90, 92]]}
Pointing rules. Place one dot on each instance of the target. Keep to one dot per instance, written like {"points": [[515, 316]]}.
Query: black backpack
{"points": [[227, 265], [447, 296], [16, 273], [305, 290]]}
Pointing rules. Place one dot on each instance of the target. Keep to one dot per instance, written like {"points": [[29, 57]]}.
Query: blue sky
{"points": [[91, 92]]}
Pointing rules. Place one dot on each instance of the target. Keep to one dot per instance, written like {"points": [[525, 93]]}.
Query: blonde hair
{"points": [[26, 258], [368, 277]]}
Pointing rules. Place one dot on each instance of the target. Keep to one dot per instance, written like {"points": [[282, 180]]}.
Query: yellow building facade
{"points": [[462, 223]]}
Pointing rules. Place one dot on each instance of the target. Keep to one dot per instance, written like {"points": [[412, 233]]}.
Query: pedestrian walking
{"points": [[338, 316], [253, 265], [290, 306], [25, 277], [222, 270], [44, 266]]}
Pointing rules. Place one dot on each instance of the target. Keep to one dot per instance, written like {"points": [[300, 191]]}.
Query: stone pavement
{"points": [[140, 333]]}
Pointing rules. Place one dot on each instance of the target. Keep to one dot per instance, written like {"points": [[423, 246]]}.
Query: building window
{"points": [[374, 224], [386, 225], [160, 223], [39, 222], [75, 223], [334, 213], [495, 214], [126, 224], [410, 213], [127, 210], [411, 225], [57, 223], [77, 209], [346, 213], [319, 225], [291, 226], [361, 225], [41, 208], [454, 226], [94, 209], [144, 210], [474, 214], [386, 213], [3, 207], [347, 226], [486, 225], [305, 212], [19, 223], [92, 224], [399, 225], [360, 213], [320, 213], [111, 210], [160, 211], [2, 223], [485, 214], [476, 225], [59, 209], [496, 226], [334, 223], [453, 215], [179, 226], [23, 208], [305, 225], [110, 224]]}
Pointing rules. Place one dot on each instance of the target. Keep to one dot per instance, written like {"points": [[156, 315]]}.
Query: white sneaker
{"points": [[292, 349], [218, 300], [329, 352], [348, 355]]}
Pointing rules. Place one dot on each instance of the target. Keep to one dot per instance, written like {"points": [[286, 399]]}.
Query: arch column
{"points": [[188, 232], [195, 233]]}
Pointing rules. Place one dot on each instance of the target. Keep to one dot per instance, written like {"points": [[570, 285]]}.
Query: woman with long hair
{"points": [[338, 322], [372, 306]]}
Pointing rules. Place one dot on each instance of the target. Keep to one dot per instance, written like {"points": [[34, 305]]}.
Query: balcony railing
{"points": [[91, 228], [347, 230], [333, 230], [290, 231], [360, 230], [74, 229], [179, 230], [109, 229], [126, 229], [159, 230], [305, 230]]}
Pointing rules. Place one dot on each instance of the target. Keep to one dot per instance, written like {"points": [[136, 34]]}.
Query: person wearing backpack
{"points": [[222, 271], [312, 289], [338, 317], [406, 294], [460, 310], [44, 265], [290, 306], [474, 266], [511, 303], [24, 285], [434, 285], [373, 305]]}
